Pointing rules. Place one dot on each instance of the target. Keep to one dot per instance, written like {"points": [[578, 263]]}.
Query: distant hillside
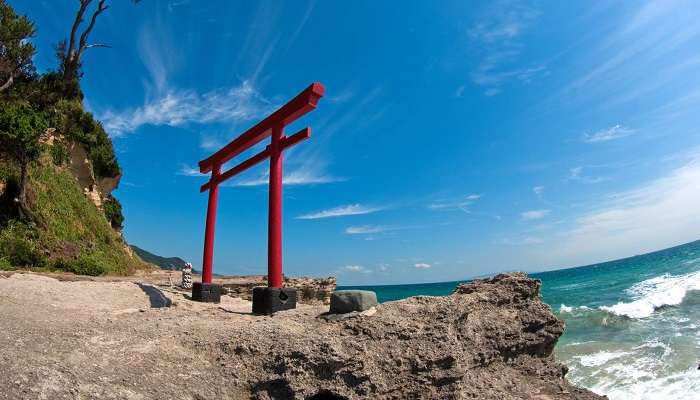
{"points": [[169, 263]]}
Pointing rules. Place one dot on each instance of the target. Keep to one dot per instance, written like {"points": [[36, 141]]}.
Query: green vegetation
{"points": [[16, 51], [73, 220], [20, 129], [46, 221]]}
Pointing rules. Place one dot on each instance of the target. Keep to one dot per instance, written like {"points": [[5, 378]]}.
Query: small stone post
{"points": [[187, 276]]}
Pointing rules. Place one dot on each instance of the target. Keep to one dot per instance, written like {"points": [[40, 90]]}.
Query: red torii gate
{"points": [[272, 126]]}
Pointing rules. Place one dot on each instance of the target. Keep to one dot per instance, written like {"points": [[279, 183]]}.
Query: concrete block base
{"points": [[267, 300], [206, 292]]}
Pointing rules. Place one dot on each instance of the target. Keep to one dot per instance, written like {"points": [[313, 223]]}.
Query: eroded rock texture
{"points": [[491, 339]]}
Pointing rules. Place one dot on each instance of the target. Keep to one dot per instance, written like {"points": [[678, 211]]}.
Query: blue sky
{"points": [[455, 139]]}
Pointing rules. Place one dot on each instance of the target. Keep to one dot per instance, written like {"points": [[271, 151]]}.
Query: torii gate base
{"points": [[206, 292], [269, 300]]}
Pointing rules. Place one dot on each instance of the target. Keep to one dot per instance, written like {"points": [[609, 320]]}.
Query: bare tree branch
{"points": [[89, 46], [8, 83], [101, 7], [76, 24]]}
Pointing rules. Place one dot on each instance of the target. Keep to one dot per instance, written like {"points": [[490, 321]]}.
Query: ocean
{"points": [[632, 325]]}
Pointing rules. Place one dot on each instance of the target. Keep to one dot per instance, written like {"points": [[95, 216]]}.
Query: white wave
{"points": [[600, 358], [568, 309], [683, 385], [636, 374], [665, 290]]}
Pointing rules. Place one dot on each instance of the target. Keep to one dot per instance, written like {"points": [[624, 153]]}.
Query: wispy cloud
{"points": [[660, 213], [459, 204], [606, 135], [365, 229], [180, 107], [538, 190], [296, 177], [342, 97], [495, 36], [302, 22], [355, 269], [576, 174], [534, 214], [341, 211], [522, 241], [186, 170], [422, 266]]}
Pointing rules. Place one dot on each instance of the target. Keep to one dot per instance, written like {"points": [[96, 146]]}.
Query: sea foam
{"points": [[664, 290]]}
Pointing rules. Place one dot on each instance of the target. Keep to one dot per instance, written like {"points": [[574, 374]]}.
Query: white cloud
{"points": [[364, 229], [538, 190], [342, 97], [506, 22], [576, 174], [605, 135], [495, 37], [422, 266], [356, 269], [186, 170], [534, 214], [522, 241], [340, 211], [180, 107], [460, 91], [658, 214], [295, 177], [460, 204]]}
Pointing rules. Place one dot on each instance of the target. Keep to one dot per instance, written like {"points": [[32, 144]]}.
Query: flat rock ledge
{"points": [[490, 339]]}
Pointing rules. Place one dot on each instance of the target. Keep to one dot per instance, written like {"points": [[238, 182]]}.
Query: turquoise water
{"points": [[633, 325]]}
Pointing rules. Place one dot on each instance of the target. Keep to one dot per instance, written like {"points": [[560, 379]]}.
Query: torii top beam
{"points": [[285, 115]]}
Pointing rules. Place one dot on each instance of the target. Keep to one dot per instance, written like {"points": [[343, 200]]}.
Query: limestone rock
{"points": [[309, 290], [490, 339], [346, 301]]}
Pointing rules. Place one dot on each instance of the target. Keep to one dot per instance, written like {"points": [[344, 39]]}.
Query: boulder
{"points": [[346, 301]]}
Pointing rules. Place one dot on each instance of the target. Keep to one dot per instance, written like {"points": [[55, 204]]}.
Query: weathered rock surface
{"points": [[491, 339], [347, 301], [309, 290]]}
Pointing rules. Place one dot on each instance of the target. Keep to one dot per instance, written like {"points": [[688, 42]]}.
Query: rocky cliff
{"points": [[491, 339]]}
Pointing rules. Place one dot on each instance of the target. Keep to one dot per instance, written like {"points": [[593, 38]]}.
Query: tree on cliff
{"points": [[16, 51], [20, 129], [70, 52]]}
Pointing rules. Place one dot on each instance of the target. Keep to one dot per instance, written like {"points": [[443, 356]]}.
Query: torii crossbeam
{"points": [[272, 126]]}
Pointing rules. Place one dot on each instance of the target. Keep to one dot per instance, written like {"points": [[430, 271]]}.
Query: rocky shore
{"points": [[491, 339]]}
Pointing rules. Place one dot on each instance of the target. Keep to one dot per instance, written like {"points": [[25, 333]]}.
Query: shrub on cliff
{"points": [[113, 212], [69, 118]]}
